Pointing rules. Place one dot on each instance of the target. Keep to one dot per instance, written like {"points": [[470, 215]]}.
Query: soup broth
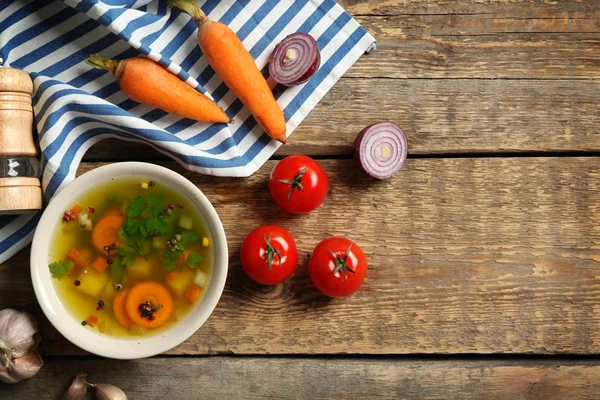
{"points": [[131, 258]]}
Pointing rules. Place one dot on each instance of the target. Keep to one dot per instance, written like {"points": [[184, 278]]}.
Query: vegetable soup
{"points": [[131, 258]]}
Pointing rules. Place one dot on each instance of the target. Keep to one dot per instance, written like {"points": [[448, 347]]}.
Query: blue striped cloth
{"points": [[77, 106]]}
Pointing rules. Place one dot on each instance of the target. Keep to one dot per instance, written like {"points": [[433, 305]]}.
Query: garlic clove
{"points": [[17, 330], [78, 388], [5, 376], [26, 367], [109, 392]]}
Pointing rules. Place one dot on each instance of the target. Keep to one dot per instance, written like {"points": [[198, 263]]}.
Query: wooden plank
{"points": [[495, 255], [286, 378], [439, 117], [497, 8], [478, 24], [468, 39], [507, 56]]}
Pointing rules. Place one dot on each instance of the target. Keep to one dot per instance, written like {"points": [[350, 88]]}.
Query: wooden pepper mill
{"points": [[20, 189]]}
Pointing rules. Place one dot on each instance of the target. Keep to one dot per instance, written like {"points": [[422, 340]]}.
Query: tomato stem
{"points": [[340, 263], [271, 251], [296, 183]]}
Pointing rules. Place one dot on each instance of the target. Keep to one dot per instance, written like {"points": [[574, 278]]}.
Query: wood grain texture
{"points": [[439, 117], [466, 256], [439, 25], [474, 39], [506, 56], [497, 8], [316, 378]]}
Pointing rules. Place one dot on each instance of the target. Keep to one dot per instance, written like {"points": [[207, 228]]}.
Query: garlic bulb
{"points": [[16, 333], [18, 357]]}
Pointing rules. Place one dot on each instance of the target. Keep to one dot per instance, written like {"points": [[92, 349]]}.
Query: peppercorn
{"points": [[100, 303], [171, 206], [113, 246], [84, 323], [106, 249], [109, 261], [77, 282], [151, 184], [118, 286]]}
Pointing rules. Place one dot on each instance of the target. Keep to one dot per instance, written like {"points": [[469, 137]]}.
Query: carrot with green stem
{"points": [[148, 82], [229, 58]]}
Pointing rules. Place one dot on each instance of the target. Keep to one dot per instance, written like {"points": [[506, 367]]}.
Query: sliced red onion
{"points": [[295, 59], [381, 149]]}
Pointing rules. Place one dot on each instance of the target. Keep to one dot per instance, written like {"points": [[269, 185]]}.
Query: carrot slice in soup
{"points": [[100, 264], [81, 259], [114, 212], [106, 231], [120, 310], [192, 293], [152, 292]]}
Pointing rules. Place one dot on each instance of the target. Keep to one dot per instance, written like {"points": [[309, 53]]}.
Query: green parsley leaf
{"points": [[153, 226], [155, 205], [131, 226], [125, 251], [194, 259], [123, 235], [136, 208], [117, 270], [171, 259], [188, 238], [60, 268]]}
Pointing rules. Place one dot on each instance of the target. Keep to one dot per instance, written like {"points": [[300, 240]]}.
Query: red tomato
{"points": [[298, 184], [269, 254], [337, 267]]}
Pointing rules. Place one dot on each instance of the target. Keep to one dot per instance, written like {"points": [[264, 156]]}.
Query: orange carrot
{"points": [[120, 310], [229, 58], [148, 82], [106, 232], [100, 264], [155, 294], [81, 259], [114, 212], [192, 293], [172, 275], [73, 255], [92, 320], [76, 209]]}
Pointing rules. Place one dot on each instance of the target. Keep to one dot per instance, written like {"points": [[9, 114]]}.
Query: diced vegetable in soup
{"points": [[131, 258]]}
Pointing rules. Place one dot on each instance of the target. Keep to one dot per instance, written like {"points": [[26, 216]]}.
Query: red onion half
{"points": [[381, 149], [295, 59]]}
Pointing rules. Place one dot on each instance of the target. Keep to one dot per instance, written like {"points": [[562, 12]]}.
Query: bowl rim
{"points": [[91, 340]]}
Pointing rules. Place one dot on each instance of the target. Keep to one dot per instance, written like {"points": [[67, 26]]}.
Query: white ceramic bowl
{"points": [[91, 340]]}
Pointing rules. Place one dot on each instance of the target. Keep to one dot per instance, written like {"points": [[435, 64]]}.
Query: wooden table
{"points": [[484, 277]]}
